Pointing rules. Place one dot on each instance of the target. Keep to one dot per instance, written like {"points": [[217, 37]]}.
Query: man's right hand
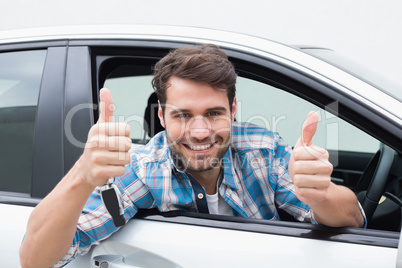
{"points": [[106, 151]]}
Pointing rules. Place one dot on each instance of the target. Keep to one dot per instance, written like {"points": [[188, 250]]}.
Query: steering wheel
{"points": [[374, 179]]}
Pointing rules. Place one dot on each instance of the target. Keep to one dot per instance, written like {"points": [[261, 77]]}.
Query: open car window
{"points": [[261, 100]]}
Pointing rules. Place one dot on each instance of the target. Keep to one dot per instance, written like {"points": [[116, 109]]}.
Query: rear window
{"points": [[20, 80]]}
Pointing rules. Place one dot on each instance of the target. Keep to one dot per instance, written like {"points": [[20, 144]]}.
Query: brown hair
{"points": [[205, 64]]}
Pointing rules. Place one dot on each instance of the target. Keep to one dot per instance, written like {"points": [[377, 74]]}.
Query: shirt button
{"points": [[200, 196]]}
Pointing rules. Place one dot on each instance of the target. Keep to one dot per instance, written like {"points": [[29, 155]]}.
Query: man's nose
{"points": [[199, 128]]}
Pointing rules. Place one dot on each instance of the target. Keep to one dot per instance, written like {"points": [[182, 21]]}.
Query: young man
{"points": [[203, 162]]}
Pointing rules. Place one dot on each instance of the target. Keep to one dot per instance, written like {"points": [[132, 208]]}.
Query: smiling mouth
{"points": [[199, 147]]}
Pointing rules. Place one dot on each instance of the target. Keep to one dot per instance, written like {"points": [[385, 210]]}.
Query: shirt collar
{"points": [[229, 173]]}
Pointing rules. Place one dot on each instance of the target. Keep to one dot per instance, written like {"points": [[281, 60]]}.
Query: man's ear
{"points": [[234, 108], [160, 115]]}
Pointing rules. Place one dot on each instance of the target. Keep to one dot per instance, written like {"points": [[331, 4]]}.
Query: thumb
{"points": [[106, 106], [309, 128]]}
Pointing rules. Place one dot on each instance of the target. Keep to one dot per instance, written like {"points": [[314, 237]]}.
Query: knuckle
{"points": [[121, 144], [325, 154], [122, 128], [127, 159], [128, 142], [112, 142], [91, 143], [101, 144], [327, 183], [297, 165], [297, 153], [297, 180], [96, 157], [327, 168], [124, 142], [301, 192]]}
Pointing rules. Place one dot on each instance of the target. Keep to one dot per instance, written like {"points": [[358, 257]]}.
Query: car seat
{"points": [[152, 124]]}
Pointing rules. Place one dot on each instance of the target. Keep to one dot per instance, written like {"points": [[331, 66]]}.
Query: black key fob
{"points": [[110, 195]]}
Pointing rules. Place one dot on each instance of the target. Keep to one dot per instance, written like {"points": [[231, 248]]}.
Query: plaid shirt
{"points": [[255, 181]]}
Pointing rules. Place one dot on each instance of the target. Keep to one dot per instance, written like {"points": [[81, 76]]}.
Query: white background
{"points": [[368, 31]]}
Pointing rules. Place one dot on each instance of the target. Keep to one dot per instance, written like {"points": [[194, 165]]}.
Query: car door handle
{"points": [[110, 261]]}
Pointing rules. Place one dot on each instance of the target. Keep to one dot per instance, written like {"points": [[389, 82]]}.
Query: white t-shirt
{"points": [[216, 205]]}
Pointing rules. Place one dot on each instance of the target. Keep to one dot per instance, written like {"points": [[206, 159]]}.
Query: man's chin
{"points": [[198, 170], [201, 167]]}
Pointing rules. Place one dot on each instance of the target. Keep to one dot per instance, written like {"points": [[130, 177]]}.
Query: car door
{"points": [[271, 94], [185, 240]]}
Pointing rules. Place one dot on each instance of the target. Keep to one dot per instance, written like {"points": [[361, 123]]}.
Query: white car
{"points": [[49, 84]]}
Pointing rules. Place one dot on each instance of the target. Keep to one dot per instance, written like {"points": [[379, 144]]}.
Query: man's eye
{"points": [[181, 115], [213, 113]]}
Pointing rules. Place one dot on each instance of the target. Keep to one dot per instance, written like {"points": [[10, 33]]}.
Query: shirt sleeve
{"points": [[285, 196], [95, 223]]}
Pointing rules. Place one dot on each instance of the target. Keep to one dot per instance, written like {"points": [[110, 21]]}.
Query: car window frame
{"points": [[283, 77], [52, 62], [351, 235]]}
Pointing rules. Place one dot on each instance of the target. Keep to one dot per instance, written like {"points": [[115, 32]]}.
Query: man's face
{"points": [[198, 121]]}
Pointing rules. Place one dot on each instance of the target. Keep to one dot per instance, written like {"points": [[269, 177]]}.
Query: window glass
{"points": [[285, 113], [20, 79], [130, 96]]}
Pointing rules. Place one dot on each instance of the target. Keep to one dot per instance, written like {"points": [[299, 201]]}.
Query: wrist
{"points": [[79, 178]]}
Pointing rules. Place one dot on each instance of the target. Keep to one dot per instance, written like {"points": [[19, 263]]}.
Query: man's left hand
{"points": [[309, 166]]}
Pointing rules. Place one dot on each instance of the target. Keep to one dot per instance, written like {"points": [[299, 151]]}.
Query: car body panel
{"points": [[13, 221], [216, 247]]}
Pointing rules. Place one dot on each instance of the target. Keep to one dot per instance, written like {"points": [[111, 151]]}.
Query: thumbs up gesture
{"points": [[309, 167], [106, 151]]}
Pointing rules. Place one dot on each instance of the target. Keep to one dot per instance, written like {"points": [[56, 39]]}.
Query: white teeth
{"points": [[200, 147]]}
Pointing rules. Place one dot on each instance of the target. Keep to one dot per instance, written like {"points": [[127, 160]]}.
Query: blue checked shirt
{"points": [[255, 178]]}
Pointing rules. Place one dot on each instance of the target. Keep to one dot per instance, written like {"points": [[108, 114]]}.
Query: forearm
{"points": [[339, 209], [52, 224]]}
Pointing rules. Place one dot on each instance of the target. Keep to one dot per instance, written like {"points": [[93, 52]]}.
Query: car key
{"points": [[110, 196]]}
